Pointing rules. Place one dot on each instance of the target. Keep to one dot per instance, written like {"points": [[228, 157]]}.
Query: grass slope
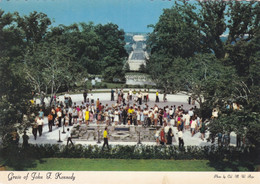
{"points": [[70, 164]]}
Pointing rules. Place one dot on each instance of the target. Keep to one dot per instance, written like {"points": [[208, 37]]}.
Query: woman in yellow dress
{"points": [[87, 116]]}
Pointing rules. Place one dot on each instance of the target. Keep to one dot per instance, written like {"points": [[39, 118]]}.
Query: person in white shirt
{"points": [[40, 125], [116, 117], [171, 113], [191, 113], [69, 137], [157, 134], [180, 137], [193, 126], [150, 114], [155, 118], [156, 108], [83, 112], [186, 118], [130, 94]]}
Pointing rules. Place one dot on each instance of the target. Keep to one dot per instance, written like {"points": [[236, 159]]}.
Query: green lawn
{"points": [[68, 164], [83, 164]]}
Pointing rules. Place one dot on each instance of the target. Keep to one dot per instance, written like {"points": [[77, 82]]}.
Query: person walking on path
{"points": [[69, 137], [25, 140], [202, 130], [35, 128], [169, 137], [157, 96], [112, 95], [40, 125], [85, 94], [59, 115], [50, 122], [41, 114], [162, 137], [180, 136], [130, 95], [105, 135]]}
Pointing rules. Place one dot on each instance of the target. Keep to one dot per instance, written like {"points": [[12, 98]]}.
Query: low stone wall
{"points": [[139, 79]]}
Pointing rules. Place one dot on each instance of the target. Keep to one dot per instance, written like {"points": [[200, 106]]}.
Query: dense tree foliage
{"points": [[98, 49], [37, 57], [14, 102], [188, 53]]}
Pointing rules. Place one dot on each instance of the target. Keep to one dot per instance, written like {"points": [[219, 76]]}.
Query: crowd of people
{"points": [[130, 108]]}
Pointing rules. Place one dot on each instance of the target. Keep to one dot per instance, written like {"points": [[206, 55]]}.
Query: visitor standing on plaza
{"points": [[85, 94], [157, 96], [40, 125], [130, 114], [91, 98], [162, 137], [50, 121], [180, 136], [97, 103], [59, 115], [145, 96], [41, 113], [105, 135], [25, 140], [87, 115], [191, 113], [112, 95], [164, 96], [124, 115], [140, 97], [116, 117], [193, 126], [35, 128], [54, 115], [157, 135], [169, 137], [202, 130], [69, 137], [130, 94], [186, 119]]}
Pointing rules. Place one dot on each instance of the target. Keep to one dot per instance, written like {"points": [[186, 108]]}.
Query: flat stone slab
{"points": [[122, 129]]}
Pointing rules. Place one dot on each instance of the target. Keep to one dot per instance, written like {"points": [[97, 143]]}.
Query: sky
{"points": [[130, 15]]}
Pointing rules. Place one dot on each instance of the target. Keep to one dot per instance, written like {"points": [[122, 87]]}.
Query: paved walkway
{"points": [[179, 99], [176, 99]]}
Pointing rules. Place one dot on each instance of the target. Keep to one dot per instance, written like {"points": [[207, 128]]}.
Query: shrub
{"points": [[131, 152]]}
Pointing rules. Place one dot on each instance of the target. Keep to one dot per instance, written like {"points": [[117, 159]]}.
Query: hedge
{"points": [[131, 152]]}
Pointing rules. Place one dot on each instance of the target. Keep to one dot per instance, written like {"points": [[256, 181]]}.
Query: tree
{"points": [[50, 66], [34, 27], [12, 45], [112, 48], [187, 29], [176, 33], [15, 93], [98, 48]]}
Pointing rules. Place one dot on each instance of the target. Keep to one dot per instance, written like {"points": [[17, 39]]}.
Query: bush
{"points": [[131, 152]]}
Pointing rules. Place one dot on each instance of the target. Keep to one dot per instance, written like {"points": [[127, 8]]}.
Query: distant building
{"points": [[137, 58], [139, 38]]}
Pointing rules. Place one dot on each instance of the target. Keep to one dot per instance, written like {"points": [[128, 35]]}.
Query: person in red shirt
{"points": [[162, 137], [50, 121]]}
